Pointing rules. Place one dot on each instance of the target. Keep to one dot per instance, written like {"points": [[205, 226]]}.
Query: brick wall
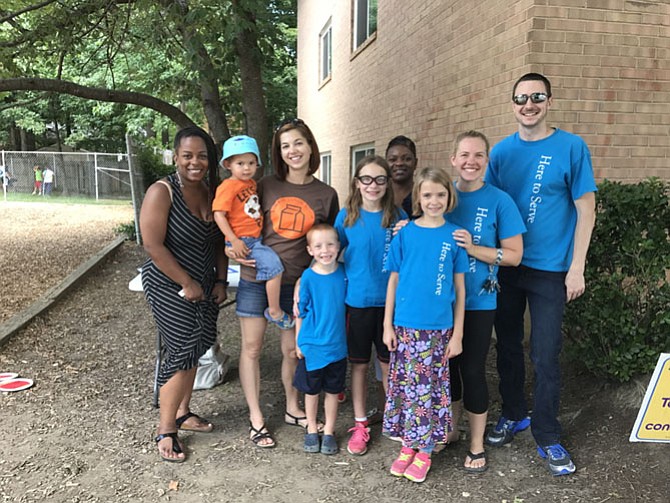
{"points": [[438, 67]]}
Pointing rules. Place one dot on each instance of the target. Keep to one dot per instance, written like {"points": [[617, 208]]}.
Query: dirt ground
{"points": [[84, 432]]}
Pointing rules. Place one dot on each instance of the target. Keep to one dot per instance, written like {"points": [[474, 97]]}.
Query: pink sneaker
{"points": [[417, 471], [360, 436], [403, 461]]}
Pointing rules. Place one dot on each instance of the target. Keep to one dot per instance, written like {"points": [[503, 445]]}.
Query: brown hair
{"points": [[355, 200], [533, 77], [321, 227], [280, 167], [435, 175], [470, 134]]}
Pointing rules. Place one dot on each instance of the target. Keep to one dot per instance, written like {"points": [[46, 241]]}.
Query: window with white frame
{"points": [[326, 43], [358, 152], [365, 21], [326, 167]]}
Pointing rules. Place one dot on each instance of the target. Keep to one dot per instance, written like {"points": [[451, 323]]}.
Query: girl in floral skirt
{"points": [[423, 325]]}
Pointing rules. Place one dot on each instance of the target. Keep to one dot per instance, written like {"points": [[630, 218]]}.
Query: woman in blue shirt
{"points": [[491, 236]]}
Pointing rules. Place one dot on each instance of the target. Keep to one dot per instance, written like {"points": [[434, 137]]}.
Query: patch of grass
{"points": [[56, 199]]}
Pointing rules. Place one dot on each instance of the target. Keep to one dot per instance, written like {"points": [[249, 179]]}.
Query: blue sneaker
{"points": [[558, 459], [286, 322], [505, 431]]}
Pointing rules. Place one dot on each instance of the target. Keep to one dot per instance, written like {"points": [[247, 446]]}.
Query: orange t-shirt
{"points": [[239, 201]]}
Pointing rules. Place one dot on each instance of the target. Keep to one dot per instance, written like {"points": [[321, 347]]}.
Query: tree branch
{"points": [[98, 94], [38, 6], [15, 104]]}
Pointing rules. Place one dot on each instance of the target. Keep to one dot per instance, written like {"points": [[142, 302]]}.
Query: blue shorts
{"points": [[268, 263], [330, 378], [252, 300]]}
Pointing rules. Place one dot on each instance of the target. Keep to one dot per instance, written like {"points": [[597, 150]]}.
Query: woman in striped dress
{"points": [[184, 280]]}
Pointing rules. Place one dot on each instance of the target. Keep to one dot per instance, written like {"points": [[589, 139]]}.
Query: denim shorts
{"points": [[268, 263], [252, 300], [330, 378]]}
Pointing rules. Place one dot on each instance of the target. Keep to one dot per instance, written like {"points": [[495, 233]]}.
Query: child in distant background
{"points": [[238, 214], [423, 325], [37, 172], [321, 343]]}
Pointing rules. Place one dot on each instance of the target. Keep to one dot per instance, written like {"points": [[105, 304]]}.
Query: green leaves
{"points": [[622, 322], [153, 47]]}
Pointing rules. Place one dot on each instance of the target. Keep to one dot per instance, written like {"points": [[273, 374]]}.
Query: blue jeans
{"points": [[545, 293], [268, 263], [251, 299]]}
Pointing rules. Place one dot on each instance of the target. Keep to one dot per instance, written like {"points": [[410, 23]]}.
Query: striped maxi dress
{"points": [[186, 329]]}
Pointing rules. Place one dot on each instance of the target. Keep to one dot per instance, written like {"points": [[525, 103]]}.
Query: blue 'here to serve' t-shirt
{"points": [[366, 245], [489, 215], [544, 178], [426, 260]]}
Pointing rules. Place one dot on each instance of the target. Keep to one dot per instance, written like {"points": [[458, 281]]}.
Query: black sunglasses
{"points": [[293, 122], [367, 180], [522, 99]]}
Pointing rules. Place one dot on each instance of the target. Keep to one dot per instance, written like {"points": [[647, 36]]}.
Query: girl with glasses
{"points": [[365, 228]]}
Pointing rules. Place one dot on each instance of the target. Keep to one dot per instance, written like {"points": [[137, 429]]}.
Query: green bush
{"points": [[152, 167], [622, 322], [127, 229]]}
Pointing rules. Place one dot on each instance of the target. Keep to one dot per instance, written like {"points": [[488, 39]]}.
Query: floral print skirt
{"points": [[418, 404]]}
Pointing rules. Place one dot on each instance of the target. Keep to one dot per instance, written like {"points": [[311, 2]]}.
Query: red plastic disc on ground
{"points": [[8, 375], [17, 384]]}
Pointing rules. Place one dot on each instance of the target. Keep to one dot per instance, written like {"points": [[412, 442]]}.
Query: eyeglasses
{"points": [[367, 180], [522, 99], [293, 122]]}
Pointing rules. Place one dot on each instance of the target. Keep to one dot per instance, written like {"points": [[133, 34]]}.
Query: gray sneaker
{"points": [[558, 459], [505, 430]]}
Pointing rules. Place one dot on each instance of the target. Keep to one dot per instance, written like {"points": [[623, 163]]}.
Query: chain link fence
{"points": [[76, 174]]}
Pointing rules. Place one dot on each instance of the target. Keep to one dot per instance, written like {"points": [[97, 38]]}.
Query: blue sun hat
{"points": [[242, 144]]}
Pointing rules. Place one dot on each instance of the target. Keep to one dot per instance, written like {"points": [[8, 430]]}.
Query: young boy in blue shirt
{"points": [[321, 336]]}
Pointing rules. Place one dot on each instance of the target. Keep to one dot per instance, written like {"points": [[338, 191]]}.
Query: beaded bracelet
{"points": [[499, 257]]}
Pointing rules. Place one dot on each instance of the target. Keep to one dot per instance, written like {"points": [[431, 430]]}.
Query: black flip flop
{"points": [[181, 420], [474, 457], [296, 421], [176, 447]]}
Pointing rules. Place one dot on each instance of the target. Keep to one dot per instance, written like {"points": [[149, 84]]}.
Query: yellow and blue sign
{"points": [[653, 420]]}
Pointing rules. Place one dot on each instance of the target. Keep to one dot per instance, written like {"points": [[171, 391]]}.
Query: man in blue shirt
{"points": [[549, 175]]}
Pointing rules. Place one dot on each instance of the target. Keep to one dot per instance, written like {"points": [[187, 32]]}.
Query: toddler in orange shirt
{"points": [[238, 214]]}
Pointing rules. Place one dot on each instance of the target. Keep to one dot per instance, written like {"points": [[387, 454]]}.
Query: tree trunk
{"points": [[211, 98], [27, 140], [55, 108], [14, 137], [253, 94], [209, 82]]}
